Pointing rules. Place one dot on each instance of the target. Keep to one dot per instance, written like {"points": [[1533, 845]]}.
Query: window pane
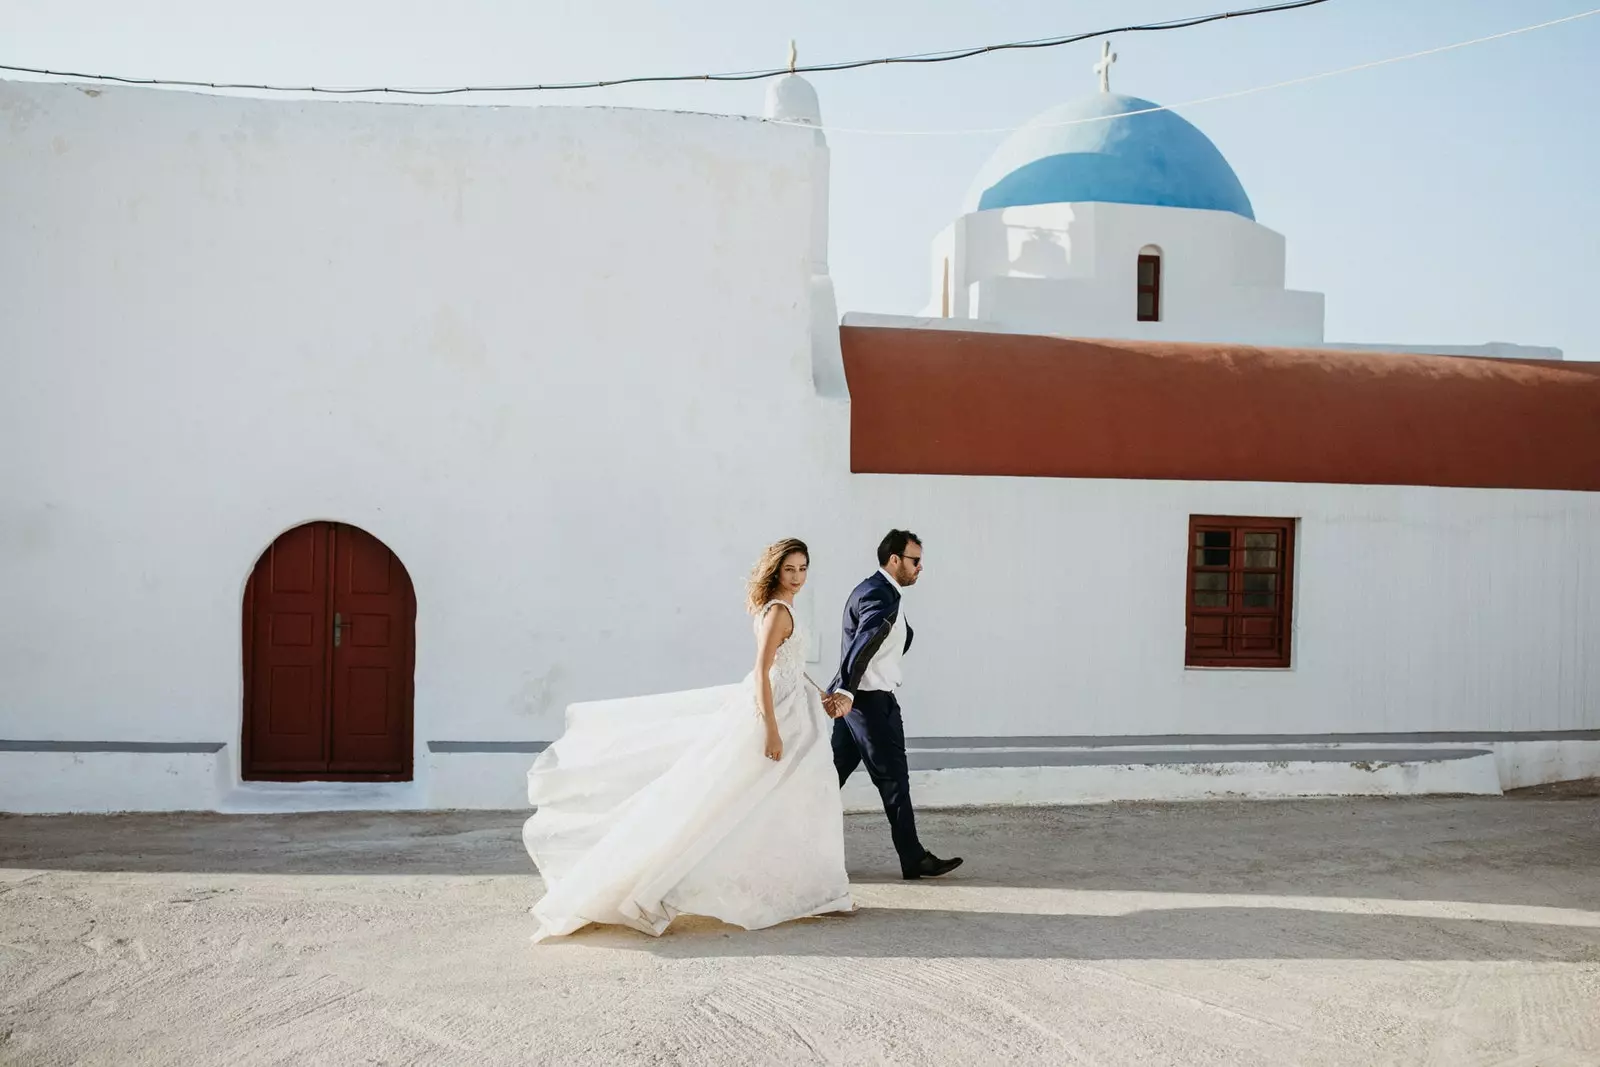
{"points": [[1260, 557], [1211, 557], [1260, 600], [1260, 583], [1147, 305], [1212, 580], [1147, 272], [1210, 600], [1213, 538], [1261, 540]]}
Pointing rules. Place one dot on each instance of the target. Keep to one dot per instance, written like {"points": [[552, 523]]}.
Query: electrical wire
{"points": [[734, 76], [1235, 94]]}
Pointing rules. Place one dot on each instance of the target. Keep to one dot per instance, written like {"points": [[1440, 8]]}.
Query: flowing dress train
{"points": [[656, 806]]}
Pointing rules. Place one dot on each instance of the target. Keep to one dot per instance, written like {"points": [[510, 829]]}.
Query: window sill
{"points": [[1254, 670]]}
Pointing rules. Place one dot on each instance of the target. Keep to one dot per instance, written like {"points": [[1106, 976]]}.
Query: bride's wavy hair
{"points": [[764, 578]]}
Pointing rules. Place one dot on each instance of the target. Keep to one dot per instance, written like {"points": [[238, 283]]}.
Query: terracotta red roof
{"points": [[952, 402]]}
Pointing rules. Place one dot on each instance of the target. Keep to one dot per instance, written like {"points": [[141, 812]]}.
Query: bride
{"points": [[720, 802]]}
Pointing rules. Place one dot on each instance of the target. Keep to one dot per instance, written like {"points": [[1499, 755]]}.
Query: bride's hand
{"points": [[774, 749]]}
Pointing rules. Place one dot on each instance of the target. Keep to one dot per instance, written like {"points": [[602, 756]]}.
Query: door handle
{"points": [[338, 629]]}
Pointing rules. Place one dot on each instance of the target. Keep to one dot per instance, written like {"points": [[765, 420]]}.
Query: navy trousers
{"points": [[873, 734]]}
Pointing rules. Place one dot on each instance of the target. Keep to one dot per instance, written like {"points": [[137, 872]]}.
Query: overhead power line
{"points": [[735, 76], [1232, 95]]}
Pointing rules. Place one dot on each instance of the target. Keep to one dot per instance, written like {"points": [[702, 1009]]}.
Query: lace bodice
{"points": [[789, 665]]}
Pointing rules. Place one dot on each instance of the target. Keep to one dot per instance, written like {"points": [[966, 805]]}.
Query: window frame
{"points": [[1154, 288], [1238, 525]]}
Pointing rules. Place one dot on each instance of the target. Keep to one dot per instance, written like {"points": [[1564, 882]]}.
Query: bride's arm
{"points": [[776, 626]]}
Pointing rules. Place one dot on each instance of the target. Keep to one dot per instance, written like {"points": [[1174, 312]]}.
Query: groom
{"points": [[867, 727]]}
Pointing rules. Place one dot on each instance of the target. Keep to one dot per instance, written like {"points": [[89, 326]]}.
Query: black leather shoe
{"points": [[930, 866]]}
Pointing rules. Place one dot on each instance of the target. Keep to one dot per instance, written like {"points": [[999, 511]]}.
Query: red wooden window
{"points": [[1149, 288], [1239, 596]]}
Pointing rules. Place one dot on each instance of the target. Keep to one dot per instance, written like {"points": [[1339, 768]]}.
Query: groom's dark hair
{"points": [[894, 544]]}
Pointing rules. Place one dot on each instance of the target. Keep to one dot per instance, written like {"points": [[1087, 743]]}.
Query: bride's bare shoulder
{"points": [[780, 623]]}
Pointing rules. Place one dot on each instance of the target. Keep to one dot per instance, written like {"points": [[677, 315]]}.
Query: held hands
{"points": [[837, 705]]}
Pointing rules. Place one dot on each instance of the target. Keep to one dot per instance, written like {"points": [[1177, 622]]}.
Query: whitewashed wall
{"points": [[557, 359], [1056, 607], [561, 362], [1072, 269]]}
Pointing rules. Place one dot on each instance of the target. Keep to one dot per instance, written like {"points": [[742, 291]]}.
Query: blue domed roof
{"points": [[1155, 158]]}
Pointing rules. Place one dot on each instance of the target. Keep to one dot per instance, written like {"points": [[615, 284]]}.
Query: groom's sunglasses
{"points": [[915, 561]]}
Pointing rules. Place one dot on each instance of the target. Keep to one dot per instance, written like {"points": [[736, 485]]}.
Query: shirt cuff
{"points": [[845, 693]]}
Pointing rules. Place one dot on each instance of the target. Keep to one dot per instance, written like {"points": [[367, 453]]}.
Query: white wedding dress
{"points": [[652, 807]]}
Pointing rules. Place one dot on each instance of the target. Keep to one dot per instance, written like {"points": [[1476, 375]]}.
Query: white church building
{"points": [[348, 444], [1109, 204]]}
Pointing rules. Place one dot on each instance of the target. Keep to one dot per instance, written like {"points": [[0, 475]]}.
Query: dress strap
{"points": [[768, 605]]}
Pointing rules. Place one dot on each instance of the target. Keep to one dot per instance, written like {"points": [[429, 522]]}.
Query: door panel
{"points": [[287, 603], [371, 655]]}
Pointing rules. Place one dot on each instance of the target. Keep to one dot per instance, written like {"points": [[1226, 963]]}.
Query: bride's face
{"points": [[792, 574]]}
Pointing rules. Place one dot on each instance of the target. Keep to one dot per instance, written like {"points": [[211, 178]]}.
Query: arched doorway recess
{"points": [[329, 657]]}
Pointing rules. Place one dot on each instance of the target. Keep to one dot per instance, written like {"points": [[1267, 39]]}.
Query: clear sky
{"points": [[1450, 199]]}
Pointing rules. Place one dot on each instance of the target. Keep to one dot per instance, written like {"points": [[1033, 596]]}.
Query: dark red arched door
{"points": [[329, 653]]}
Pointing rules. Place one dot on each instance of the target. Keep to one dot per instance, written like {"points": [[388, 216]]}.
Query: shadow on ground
{"points": [[1542, 851], [1165, 934], [1421, 879]]}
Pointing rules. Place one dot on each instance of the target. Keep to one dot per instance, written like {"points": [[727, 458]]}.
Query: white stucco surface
{"points": [[46, 782], [1031, 786], [557, 359], [565, 363], [1055, 606], [1072, 269], [1490, 350]]}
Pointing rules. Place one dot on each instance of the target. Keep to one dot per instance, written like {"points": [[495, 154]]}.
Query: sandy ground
{"points": [[1441, 931]]}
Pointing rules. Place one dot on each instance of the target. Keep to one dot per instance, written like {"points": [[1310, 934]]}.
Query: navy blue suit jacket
{"points": [[869, 615]]}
